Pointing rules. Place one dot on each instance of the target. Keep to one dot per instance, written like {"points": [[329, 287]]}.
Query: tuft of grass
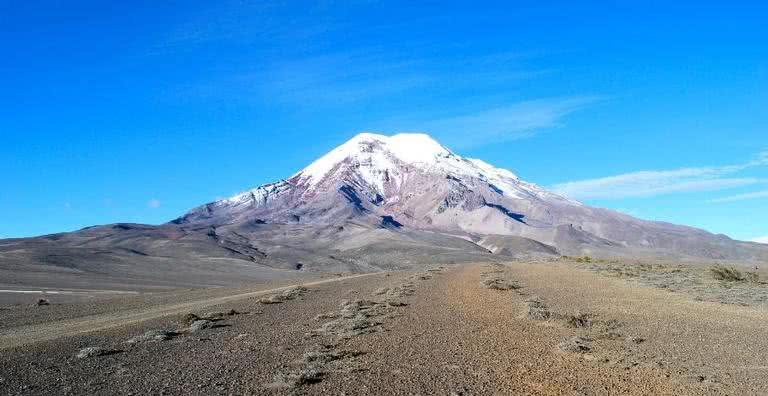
{"points": [[537, 310], [752, 277], [153, 335], [499, 284], [579, 259], [576, 344], [578, 320], [288, 294], [94, 351], [727, 274]]}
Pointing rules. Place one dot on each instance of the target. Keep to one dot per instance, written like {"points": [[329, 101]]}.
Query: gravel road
{"points": [[517, 328]]}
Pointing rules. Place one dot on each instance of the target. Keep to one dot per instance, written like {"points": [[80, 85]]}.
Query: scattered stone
{"points": [[42, 301]]}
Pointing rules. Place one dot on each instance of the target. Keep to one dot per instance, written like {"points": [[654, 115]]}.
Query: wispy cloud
{"points": [[761, 239], [364, 75], [340, 78], [153, 203], [661, 182], [742, 197], [515, 121]]}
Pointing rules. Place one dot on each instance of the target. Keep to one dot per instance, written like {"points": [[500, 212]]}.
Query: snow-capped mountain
{"points": [[411, 181], [375, 202]]}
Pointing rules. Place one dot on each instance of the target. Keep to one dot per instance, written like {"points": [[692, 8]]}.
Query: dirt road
{"points": [[23, 335], [539, 329]]}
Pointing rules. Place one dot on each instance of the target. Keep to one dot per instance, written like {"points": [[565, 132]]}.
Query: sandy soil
{"points": [[540, 329]]}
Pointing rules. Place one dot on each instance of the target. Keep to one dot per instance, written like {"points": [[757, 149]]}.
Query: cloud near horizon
{"points": [[642, 184], [515, 121], [761, 239], [742, 197]]}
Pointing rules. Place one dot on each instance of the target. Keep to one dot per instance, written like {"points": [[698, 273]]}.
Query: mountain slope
{"points": [[374, 203], [410, 180]]}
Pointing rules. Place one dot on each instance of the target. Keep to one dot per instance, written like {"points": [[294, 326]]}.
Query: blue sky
{"points": [[139, 111]]}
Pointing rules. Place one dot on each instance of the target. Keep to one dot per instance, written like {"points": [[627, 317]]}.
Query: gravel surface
{"points": [[559, 330]]}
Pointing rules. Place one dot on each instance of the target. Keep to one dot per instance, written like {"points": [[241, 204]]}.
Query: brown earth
{"points": [[546, 328]]}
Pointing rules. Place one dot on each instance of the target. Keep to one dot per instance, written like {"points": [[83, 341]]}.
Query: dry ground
{"points": [[518, 328]]}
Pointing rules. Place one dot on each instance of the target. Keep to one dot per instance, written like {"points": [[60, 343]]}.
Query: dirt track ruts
{"points": [[19, 336]]}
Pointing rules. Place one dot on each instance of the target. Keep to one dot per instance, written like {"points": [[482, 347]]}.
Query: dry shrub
{"points": [[727, 274]]}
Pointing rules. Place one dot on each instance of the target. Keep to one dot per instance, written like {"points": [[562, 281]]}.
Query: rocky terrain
{"points": [[522, 327], [391, 265]]}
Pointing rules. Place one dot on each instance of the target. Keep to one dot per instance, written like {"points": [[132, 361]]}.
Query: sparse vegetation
{"points": [[537, 310], [752, 277], [727, 274], [297, 378], [492, 280], [354, 318], [201, 324], [720, 283], [153, 335], [499, 284], [578, 259], [94, 351], [314, 366], [578, 320], [576, 344], [286, 295]]}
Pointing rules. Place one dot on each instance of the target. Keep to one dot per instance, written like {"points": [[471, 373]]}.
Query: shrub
{"points": [[579, 320], [727, 274], [753, 277]]}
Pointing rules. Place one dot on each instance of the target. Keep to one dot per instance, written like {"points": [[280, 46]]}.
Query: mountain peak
{"points": [[408, 147], [378, 153]]}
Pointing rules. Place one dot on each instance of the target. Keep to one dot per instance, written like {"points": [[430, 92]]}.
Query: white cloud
{"points": [[153, 203], [761, 240], [654, 183], [512, 122], [742, 197]]}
